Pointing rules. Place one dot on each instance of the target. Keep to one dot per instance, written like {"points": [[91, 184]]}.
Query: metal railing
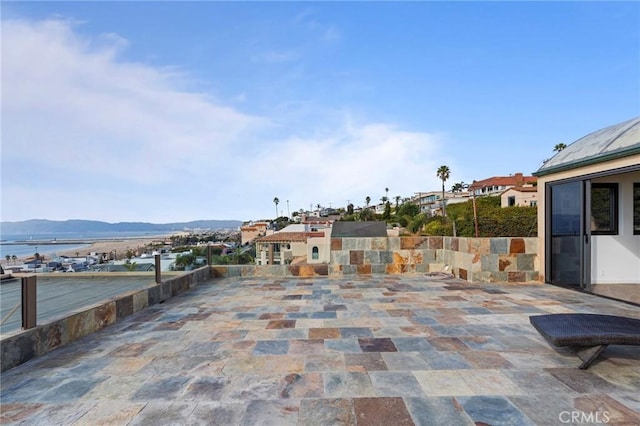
{"points": [[29, 303]]}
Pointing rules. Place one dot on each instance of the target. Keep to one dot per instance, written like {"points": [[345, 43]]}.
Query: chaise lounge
{"points": [[589, 333]]}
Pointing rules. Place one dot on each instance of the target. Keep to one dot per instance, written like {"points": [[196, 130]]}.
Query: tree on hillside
{"points": [[276, 201], [407, 212], [443, 173], [387, 211], [366, 215]]}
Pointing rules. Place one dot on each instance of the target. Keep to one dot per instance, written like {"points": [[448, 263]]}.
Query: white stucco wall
{"points": [[324, 249], [616, 258]]}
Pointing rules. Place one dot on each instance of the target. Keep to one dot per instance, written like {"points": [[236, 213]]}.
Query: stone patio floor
{"points": [[378, 350]]}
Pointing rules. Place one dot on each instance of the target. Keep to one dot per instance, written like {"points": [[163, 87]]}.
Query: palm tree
{"points": [[559, 147], [459, 187], [443, 173], [14, 258], [367, 200], [397, 201], [276, 201], [386, 190], [8, 257]]}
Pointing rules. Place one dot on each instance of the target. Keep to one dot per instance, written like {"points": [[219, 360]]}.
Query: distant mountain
{"points": [[41, 226]]}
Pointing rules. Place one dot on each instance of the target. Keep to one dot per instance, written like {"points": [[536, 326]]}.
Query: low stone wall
{"points": [[24, 345], [506, 259]]}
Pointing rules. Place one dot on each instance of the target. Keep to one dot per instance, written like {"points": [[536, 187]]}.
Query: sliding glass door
{"points": [[569, 244]]}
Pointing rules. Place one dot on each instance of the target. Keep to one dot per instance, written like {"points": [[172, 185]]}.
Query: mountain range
{"points": [[41, 226]]}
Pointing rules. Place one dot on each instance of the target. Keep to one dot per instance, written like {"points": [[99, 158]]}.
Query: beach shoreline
{"points": [[119, 245]]}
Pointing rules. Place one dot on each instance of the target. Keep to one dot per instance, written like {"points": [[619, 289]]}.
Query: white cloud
{"points": [[352, 162], [104, 115], [89, 135]]}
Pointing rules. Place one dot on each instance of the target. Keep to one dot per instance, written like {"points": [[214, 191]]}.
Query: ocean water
{"points": [[29, 248], [23, 250]]}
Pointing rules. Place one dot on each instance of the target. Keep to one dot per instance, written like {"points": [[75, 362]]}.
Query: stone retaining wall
{"points": [[507, 259]]}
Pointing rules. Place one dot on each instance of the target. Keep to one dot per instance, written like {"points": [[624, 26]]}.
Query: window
{"points": [[604, 208], [314, 253], [636, 208], [534, 203], [511, 201]]}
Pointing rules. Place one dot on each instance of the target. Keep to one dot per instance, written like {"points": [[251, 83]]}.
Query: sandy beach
{"points": [[119, 245]]}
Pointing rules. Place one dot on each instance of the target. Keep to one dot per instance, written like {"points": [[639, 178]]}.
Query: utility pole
{"points": [[475, 211]]}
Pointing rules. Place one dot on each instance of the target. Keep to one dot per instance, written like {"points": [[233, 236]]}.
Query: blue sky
{"points": [[174, 111]]}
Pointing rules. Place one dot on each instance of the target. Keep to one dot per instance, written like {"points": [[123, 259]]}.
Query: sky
{"points": [[176, 111]]}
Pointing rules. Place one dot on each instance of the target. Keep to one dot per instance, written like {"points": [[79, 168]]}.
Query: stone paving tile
{"points": [[111, 413], [381, 411], [493, 410], [270, 412], [166, 389], [555, 405], [534, 382], [440, 410], [443, 383], [616, 412], [349, 345], [347, 384], [395, 383], [215, 413], [489, 382], [582, 381], [364, 362], [445, 360], [329, 361], [405, 361], [326, 412], [324, 351], [17, 412], [370, 344]]}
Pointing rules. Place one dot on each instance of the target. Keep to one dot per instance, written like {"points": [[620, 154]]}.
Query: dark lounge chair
{"points": [[589, 333]]}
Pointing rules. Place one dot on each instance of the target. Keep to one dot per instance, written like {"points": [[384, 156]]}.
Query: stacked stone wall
{"points": [[507, 259]]}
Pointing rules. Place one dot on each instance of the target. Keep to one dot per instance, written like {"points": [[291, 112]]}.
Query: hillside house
{"points": [[253, 230], [526, 196], [496, 185]]}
